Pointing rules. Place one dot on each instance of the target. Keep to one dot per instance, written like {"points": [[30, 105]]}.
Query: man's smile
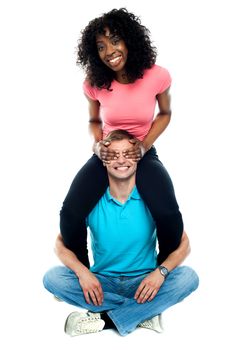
{"points": [[122, 167]]}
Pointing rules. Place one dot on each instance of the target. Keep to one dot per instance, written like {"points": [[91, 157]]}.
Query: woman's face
{"points": [[112, 51]]}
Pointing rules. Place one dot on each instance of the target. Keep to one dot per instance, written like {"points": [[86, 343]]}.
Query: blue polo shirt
{"points": [[123, 236]]}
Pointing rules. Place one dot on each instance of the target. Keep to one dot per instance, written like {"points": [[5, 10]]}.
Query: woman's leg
{"points": [[86, 189], [156, 189]]}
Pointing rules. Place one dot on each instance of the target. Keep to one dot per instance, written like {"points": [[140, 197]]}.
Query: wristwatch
{"points": [[163, 271]]}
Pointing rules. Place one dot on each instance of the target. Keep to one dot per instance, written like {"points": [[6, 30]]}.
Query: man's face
{"points": [[121, 168]]}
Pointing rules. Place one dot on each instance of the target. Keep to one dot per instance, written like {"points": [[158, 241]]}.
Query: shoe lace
{"points": [[147, 323], [88, 324]]}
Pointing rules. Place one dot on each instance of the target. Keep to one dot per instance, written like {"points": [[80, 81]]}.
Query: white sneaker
{"points": [[79, 323], [155, 324]]}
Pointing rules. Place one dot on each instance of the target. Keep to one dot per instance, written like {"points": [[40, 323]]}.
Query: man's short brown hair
{"points": [[118, 135]]}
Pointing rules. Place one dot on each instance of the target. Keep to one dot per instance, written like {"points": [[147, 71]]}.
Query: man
{"points": [[125, 288]]}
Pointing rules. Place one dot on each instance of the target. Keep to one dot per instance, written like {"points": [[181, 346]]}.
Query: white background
{"points": [[44, 141]]}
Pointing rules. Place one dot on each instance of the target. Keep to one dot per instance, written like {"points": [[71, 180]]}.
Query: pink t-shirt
{"points": [[130, 106]]}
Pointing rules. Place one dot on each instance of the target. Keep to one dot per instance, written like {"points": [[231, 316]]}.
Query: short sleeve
{"points": [[165, 80], [89, 90]]}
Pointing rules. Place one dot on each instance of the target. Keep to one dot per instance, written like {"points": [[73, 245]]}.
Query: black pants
{"points": [[154, 186]]}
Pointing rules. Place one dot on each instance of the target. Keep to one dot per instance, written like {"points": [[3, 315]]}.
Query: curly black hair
{"points": [[141, 54]]}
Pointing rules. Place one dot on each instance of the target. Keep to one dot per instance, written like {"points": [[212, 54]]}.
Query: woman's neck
{"points": [[122, 78]]}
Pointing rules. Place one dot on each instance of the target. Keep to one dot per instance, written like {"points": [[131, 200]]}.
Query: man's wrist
{"points": [[163, 271], [80, 270]]}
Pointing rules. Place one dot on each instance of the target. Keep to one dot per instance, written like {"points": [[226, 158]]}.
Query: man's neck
{"points": [[121, 189]]}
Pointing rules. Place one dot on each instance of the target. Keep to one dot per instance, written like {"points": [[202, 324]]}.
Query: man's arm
{"points": [[89, 283], [151, 284]]}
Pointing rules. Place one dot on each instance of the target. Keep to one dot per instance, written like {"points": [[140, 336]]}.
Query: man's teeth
{"points": [[122, 167]]}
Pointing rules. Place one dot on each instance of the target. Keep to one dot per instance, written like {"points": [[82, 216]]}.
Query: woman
{"points": [[123, 85]]}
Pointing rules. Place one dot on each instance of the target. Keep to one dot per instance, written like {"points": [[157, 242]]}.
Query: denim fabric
{"points": [[119, 302]]}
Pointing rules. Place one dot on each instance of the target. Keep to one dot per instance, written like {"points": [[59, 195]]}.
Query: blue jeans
{"points": [[119, 302]]}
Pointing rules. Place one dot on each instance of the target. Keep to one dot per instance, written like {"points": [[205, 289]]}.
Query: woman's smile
{"points": [[115, 61], [112, 50]]}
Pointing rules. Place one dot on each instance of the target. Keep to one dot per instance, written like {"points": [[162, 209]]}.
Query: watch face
{"points": [[163, 271]]}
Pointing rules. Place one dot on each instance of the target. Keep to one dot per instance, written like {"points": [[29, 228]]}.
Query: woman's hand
{"points": [[137, 152], [102, 151]]}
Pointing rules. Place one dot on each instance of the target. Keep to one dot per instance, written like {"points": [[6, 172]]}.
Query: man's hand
{"points": [[137, 151], [91, 287], [101, 150], [149, 287]]}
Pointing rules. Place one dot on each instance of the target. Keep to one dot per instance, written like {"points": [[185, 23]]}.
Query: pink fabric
{"points": [[130, 106]]}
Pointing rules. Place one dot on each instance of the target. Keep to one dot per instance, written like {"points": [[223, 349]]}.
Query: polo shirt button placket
{"points": [[122, 214]]}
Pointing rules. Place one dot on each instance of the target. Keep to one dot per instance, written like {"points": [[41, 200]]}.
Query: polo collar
{"points": [[133, 195]]}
